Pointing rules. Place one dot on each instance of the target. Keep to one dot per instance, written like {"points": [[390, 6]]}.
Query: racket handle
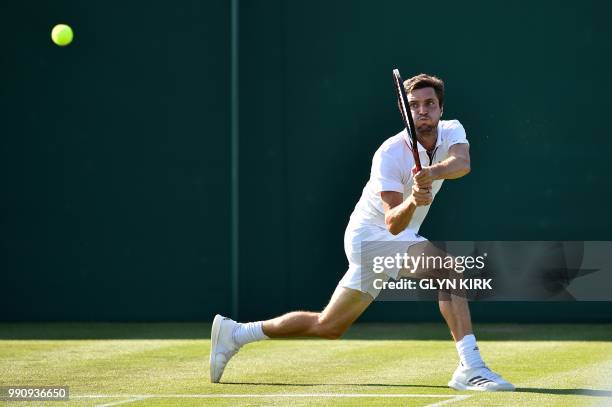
{"points": [[417, 163]]}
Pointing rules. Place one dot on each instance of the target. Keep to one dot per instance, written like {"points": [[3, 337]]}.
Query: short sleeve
{"points": [[457, 134], [386, 173]]}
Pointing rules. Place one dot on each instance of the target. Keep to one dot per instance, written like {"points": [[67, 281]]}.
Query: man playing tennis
{"points": [[390, 211]]}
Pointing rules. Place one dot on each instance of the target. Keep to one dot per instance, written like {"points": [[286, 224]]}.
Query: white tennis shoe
{"points": [[222, 346], [478, 379]]}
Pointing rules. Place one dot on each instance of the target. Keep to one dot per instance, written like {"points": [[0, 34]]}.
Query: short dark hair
{"points": [[426, 81]]}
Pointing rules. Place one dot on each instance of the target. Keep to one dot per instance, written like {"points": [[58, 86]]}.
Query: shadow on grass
{"points": [[360, 331], [572, 392]]}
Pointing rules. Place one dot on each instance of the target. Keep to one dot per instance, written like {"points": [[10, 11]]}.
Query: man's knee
{"points": [[330, 329]]}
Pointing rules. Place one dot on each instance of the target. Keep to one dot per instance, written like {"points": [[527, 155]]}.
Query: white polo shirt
{"points": [[391, 171]]}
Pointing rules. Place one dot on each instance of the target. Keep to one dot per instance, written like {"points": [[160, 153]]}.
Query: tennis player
{"points": [[391, 209]]}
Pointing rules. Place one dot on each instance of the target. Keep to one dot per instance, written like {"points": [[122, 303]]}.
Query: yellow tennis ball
{"points": [[62, 35]]}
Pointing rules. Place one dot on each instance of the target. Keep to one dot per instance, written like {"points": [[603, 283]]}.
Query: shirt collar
{"points": [[420, 148]]}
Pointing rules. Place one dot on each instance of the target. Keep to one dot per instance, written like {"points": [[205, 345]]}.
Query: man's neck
{"points": [[428, 141]]}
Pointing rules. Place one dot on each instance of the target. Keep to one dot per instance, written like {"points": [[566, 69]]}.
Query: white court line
{"points": [[454, 398], [276, 395], [139, 397], [116, 403]]}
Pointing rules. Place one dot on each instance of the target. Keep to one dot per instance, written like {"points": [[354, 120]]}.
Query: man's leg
{"points": [[453, 304], [345, 306], [227, 336], [472, 373], [456, 312]]}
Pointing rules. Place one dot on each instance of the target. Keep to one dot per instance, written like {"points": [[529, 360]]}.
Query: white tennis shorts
{"points": [[361, 276]]}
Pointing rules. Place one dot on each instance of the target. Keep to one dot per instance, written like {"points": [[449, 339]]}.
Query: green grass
{"points": [[552, 365]]}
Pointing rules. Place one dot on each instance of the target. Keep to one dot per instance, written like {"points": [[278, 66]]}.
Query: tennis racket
{"points": [[402, 101]]}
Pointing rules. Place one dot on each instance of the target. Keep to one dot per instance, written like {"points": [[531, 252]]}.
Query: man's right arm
{"points": [[398, 212]]}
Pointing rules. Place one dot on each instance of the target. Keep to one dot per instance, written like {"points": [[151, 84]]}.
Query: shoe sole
{"points": [[214, 338], [459, 386]]}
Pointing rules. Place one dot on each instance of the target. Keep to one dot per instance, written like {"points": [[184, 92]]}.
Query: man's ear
{"points": [[441, 111]]}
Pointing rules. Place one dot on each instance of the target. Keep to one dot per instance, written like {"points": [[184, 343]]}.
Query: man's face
{"points": [[425, 109]]}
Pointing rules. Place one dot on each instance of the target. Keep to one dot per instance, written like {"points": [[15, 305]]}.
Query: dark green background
{"points": [[116, 164]]}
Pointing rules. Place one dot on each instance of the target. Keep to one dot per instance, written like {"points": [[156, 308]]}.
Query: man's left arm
{"points": [[455, 166]]}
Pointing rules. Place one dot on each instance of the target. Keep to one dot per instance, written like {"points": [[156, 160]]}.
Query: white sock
{"points": [[249, 332], [469, 355]]}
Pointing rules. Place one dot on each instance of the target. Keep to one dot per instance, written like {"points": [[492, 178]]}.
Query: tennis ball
{"points": [[62, 35]]}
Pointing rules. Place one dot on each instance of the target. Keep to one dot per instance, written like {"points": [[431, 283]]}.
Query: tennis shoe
{"points": [[478, 379], [222, 346]]}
